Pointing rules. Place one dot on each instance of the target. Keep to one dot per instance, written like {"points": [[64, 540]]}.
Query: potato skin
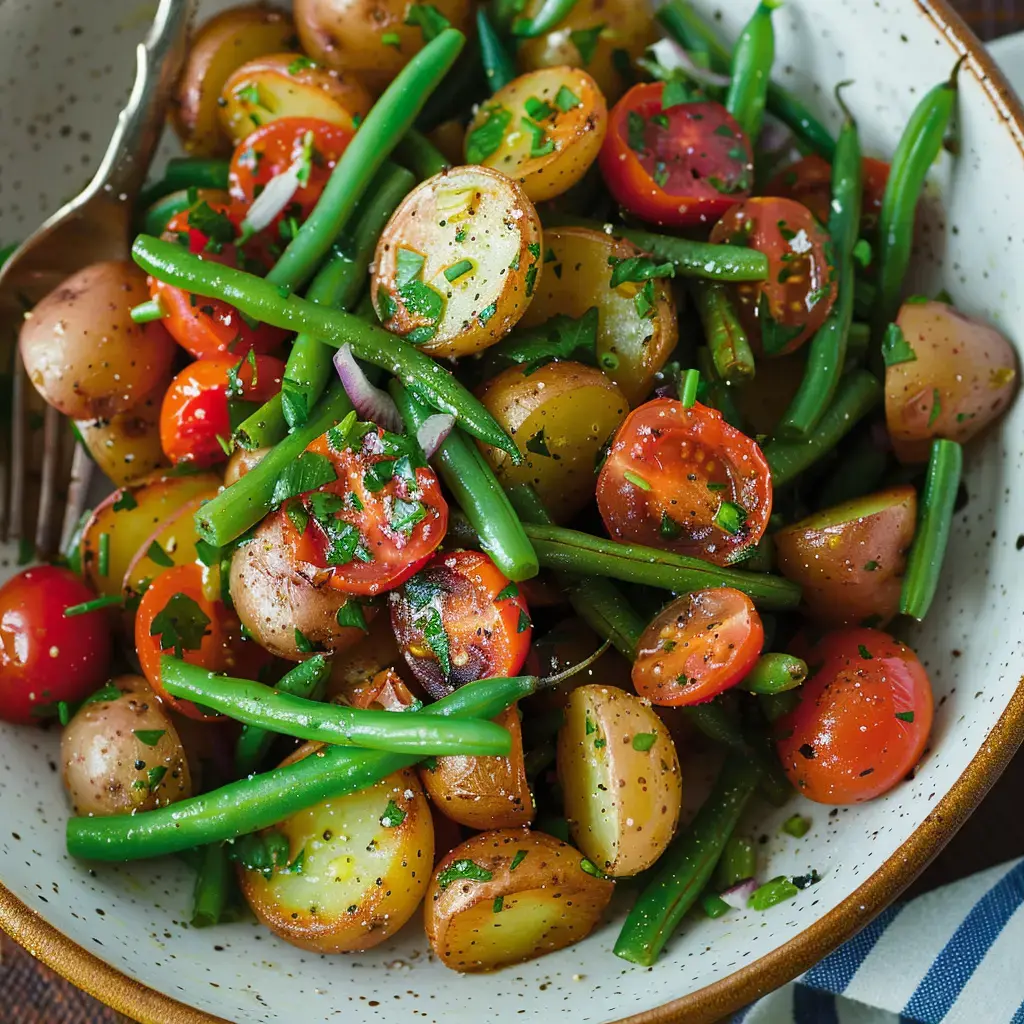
{"points": [[850, 559], [962, 377], [241, 462], [622, 803], [354, 670], [82, 351], [361, 880], [101, 753], [567, 409], [548, 902]]}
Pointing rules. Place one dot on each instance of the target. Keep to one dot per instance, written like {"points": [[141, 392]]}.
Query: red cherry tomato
{"points": [[46, 657], [784, 311], [698, 646], [204, 403], [175, 617], [460, 619], [273, 148], [686, 481], [863, 719], [376, 524], [210, 327], [681, 166]]}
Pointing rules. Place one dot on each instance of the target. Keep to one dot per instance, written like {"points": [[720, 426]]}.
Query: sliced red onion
{"points": [[433, 430], [370, 402], [670, 55], [738, 895]]}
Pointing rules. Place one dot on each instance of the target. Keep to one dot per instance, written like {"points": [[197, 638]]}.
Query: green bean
{"points": [[420, 155], [775, 673], [935, 516], [686, 866], [771, 893], [861, 470], [737, 863], [713, 905], [688, 385], [260, 299], [858, 339], [157, 216], [306, 679], [472, 483], [714, 392], [499, 67], [185, 172], [775, 705], [388, 120], [259, 705], [916, 151], [864, 296], [826, 356], [726, 338], [147, 312], [551, 14], [260, 801], [857, 394], [214, 882], [751, 70]]}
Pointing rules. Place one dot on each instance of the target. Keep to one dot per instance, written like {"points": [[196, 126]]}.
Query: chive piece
{"points": [[688, 388], [636, 480], [775, 891], [108, 601], [103, 561], [146, 312], [457, 270], [797, 826]]}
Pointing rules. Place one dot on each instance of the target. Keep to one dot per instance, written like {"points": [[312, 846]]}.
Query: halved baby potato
{"points": [[508, 896], [353, 671], [544, 129], [357, 867], [620, 774], [637, 327], [560, 417], [458, 262], [289, 85]]}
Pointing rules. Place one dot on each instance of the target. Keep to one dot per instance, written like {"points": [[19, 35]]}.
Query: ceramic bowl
{"points": [[119, 931]]}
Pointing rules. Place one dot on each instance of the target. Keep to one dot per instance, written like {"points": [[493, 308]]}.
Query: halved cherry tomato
{"points": [[863, 719], [809, 181], [175, 617], [684, 480], [204, 403], [683, 165], [46, 657], [784, 311], [273, 148], [210, 327], [460, 619], [376, 524], [698, 646]]}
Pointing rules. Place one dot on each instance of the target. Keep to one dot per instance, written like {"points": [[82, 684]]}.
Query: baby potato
{"points": [[850, 559], [221, 45], [483, 792], [560, 417], [124, 755], [368, 37], [946, 376], [276, 597], [620, 774], [632, 346], [508, 896], [83, 352], [289, 85], [458, 262], [602, 36], [357, 867], [353, 671], [241, 462], [544, 129]]}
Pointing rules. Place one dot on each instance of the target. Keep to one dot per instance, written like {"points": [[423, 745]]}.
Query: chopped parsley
{"points": [[155, 553], [905, 716], [351, 615], [217, 226], [393, 815], [391, 39], [643, 741], [636, 480], [487, 313], [936, 407], [567, 100], [181, 625], [540, 144], [895, 347], [294, 403], [518, 859], [125, 503], [539, 110], [675, 93], [635, 129], [561, 337], [499, 903], [467, 870], [637, 269], [485, 140], [538, 444], [585, 41], [796, 826], [507, 592], [524, 622], [306, 473], [150, 737], [432, 627], [300, 63], [303, 643], [459, 270]]}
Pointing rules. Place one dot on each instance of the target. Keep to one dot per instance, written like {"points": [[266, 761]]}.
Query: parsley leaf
{"points": [[487, 137], [518, 859], [300, 64], [308, 472], [422, 589], [561, 337], [538, 444], [393, 815], [506, 592], [262, 852], [905, 716], [459, 869], [302, 642], [294, 403], [217, 226], [730, 517], [351, 615], [635, 128], [151, 737], [181, 625], [125, 503], [637, 269], [895, 347], [540, 144], [566, 100], [643, 741], [585, 40], [156, 554], [436, 636]]}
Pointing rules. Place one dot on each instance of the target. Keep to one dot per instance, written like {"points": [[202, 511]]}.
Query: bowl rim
{"points": [[713, 1002]]}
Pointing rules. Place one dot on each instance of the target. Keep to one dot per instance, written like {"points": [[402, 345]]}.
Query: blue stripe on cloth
{"points": [[1018, 1017], [836, 971], [970, 943], [812, 1006]]}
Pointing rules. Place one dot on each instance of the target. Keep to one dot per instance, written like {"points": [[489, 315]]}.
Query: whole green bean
{"points": [[551, 14], [861, 470], [857, 394], [714, 392], [420, 155], [685, 868], [865, 294], [304, 680], [214, 882], [262, 706], [775, 705], [726, 338], [935, 516], [388, 120], [737, 863], [858, 340], [499, 67], [471, 480], [775, 673], [751, 70], [185, 172], [260, 299], [260, 801], [919, 145], [157, 215], [713, 905]]}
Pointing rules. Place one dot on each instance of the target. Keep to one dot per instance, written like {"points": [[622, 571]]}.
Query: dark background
{"points": [[32, 994]]}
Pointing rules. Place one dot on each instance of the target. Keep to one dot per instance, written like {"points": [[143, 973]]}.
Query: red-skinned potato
{"points": [[354, 671], [850, 559], [946, 375], [241, 462], [508, 896]]}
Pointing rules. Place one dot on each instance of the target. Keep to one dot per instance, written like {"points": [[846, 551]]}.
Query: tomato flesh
{"points": [[452, 627], [863, 719], [679, 166], [686, 481], [697, 647]]}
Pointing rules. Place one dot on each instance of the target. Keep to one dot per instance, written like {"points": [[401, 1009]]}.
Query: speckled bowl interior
{"points": [[65, 68]]}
